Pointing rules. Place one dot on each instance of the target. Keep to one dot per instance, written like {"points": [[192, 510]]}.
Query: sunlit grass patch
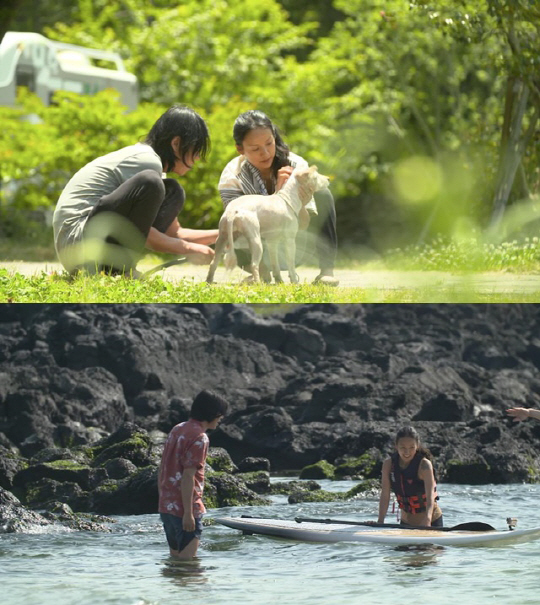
{"points": [[442, 271], [60, 288], [468, 256]]}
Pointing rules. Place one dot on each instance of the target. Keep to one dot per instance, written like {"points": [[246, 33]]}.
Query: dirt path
{"points": [[482, 283]]}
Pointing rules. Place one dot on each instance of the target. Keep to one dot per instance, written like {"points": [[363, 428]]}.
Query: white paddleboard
{"points": [[334, 532]]}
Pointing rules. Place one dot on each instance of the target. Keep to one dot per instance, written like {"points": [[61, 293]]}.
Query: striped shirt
{"points": [[240, 177]]}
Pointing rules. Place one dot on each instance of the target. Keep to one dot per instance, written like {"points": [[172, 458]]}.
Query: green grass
{"points": [[469, 255], [59, 288], [464, 262]]}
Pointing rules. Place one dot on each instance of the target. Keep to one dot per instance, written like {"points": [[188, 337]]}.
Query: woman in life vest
{"points": [[408, 472]]}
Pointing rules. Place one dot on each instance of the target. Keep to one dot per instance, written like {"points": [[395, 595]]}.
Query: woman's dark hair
{"points": [[254, 118], [179, 121], [411, 433], [208, 406]]}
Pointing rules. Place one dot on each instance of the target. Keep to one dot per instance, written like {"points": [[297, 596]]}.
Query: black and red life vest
{"points": [[409, 489]]}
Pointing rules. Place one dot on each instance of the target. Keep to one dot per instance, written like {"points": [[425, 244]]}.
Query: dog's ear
{"points": [[313, 168], [302, 173], [323, 181]]}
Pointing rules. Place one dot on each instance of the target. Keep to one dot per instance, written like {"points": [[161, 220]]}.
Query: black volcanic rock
{"points": [[10, 464], [294, 340], [14, 517], [330, 382], [342, 327]]}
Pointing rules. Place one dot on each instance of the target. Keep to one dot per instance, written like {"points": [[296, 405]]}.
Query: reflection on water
{"points": [[131, 565], [415, 556], [185, 573], [223, 545]]}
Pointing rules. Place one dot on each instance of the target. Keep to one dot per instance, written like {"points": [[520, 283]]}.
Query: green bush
{"points": [[42, 147], [360, 97]]}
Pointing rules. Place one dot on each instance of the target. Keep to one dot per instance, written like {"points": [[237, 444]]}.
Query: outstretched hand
{"points": [[518, 414], [199, 254]]}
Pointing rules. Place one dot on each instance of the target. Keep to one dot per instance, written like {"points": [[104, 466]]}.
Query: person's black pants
{"points": [[123, 218], [323, 225]]}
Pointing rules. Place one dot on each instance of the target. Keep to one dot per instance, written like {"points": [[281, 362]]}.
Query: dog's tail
{"points": [[230, 256]]}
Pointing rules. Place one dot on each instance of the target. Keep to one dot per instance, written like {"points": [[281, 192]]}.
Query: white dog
{"points": [[272, 218]]}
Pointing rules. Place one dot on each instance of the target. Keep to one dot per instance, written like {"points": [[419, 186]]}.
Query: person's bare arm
{"points": [[196, 236], [425, 473], [187, 488], [384, 500], [195, 252], [520, 414]]}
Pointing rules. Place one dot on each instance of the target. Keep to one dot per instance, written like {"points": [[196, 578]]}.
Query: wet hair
{"points": [[253, 119], [179, 121], [408, 432], [208, 406]]}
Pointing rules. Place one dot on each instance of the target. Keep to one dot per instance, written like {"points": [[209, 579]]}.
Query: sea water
{"points": [[130, 565]]}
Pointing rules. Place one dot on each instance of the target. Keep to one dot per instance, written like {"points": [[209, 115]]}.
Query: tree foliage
{"points": [[425, 114], [200, 52]]}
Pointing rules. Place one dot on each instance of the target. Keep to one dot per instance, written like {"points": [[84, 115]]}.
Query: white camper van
{"points": [[45, 66]]}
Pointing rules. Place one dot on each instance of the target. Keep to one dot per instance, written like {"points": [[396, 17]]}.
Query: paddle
{"points": [[472, 526], [169, 263]]}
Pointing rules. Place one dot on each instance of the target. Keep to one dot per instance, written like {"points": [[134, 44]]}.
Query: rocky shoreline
{"points": [[89, 392]]}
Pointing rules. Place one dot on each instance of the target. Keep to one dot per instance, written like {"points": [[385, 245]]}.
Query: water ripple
{"points": [[130, 566]]}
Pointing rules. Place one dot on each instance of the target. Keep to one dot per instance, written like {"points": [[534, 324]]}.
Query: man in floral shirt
{"points": [[181, 475]]}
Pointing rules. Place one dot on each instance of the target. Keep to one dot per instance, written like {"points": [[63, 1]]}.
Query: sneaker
{"points": [[326, 280]]}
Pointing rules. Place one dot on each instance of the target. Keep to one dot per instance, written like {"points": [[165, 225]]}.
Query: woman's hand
{"points": [[283, 175], [199, 254], [422, 520], [189, 245]]}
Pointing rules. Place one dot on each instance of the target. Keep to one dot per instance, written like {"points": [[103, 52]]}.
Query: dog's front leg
{"points": [[290, 255], [272, 246], [212, 271], [256, 249]]}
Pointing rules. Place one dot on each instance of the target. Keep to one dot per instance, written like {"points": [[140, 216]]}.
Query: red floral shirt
{"points": [[186, 447]]}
